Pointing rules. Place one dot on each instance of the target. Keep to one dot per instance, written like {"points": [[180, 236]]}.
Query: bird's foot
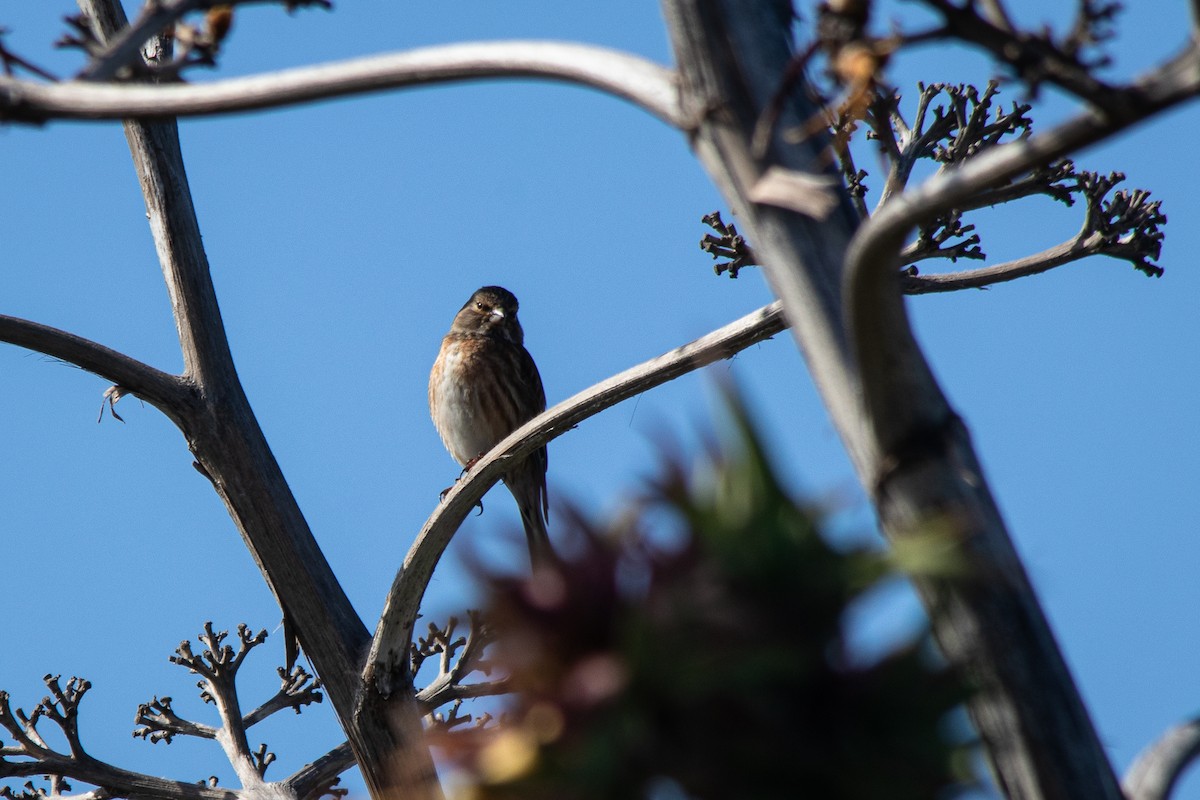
{"points": [[442, 495]]}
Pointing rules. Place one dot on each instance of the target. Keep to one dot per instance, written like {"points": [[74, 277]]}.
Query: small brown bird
{"points": [[483, 386]]}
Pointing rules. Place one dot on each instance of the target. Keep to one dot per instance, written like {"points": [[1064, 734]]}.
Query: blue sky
{"points": [[343, 236]]}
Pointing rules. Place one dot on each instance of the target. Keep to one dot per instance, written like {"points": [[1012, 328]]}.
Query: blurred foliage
{"points": [[713, 669]]}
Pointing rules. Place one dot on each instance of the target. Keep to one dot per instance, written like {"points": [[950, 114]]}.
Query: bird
{"points": [[483, 386]]}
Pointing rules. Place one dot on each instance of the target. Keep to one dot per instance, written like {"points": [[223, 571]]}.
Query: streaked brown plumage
{"points": [[483, 386]]}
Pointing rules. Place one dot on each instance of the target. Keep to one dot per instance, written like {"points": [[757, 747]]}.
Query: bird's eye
{"points": [[480, 306]]}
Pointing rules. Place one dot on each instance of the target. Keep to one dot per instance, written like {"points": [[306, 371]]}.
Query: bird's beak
{"points": [[498, 312]]}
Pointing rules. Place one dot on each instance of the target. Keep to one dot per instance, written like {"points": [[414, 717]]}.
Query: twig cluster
{"points": [[727, 244], [458, 657], [30, 747], [950, 125], [1125, 224], [218, 665], [1069, 61], [183, 45]]}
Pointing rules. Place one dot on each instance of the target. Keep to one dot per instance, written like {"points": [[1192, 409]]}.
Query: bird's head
{"points": [[491, 311]]}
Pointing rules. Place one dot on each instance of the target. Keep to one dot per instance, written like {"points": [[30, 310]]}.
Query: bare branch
{"points": [[1093, 26], [218, 665], [387, 664], [1057, 256], [442, 723], [932, 238], [958, 128], [318, 778], [232, 451], [1158, 768], [876, 308], [169, 393], [31, 755], [1037, 57], [295, 693], [638, 80], [10, 62], [458, 658], [160, 723], [435, 696]]}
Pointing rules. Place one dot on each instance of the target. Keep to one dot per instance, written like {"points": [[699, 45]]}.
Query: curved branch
{"points": [[642, 82], [1158, 768], [1074, 250], [387, 663], [169, 393]]}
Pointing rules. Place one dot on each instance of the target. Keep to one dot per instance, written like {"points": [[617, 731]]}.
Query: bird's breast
{"points": [[459, 403]]}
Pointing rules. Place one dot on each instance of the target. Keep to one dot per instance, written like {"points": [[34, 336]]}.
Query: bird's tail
{"points": [[527, 482], [541, 553]]}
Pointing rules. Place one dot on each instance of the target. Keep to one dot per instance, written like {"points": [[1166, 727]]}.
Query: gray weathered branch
{"points": [[31, 755], [230, 448], [313, 780], [1159, 767], [169, 393], [638, 80]]}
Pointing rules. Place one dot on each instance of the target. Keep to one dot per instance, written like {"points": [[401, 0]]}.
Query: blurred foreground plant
{"points": [[717, 668]]}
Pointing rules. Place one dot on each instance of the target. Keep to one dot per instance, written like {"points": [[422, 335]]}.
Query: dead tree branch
{"points": [[297, 690], [638, 80], [319, 778], [164, 391], [1038, 57], [229, 445], [30, 754], [1159, 767], [218, 666], [457, 659]]}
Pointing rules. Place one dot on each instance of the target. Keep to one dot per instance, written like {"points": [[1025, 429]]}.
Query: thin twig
{"points": [[297, 690], [438, 694], [1070, 251]]}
